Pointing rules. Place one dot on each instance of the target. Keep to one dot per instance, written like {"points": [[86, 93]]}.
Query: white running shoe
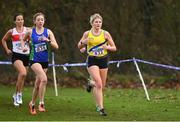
{"points": [[19, 98], [15, 100]]}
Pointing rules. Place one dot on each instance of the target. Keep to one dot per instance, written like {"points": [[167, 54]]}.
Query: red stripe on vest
{"points": [[15, 38]]}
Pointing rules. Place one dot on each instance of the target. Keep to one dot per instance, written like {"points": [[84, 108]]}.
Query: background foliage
{"points": [[145, 29]]}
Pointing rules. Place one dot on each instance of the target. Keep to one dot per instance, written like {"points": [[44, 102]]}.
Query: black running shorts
{"points": [[43, 64], [101, 62], [23, 57]]}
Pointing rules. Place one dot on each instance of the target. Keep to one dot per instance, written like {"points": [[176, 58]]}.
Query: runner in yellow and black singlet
{"points": [[97, 55], [98, 42]]}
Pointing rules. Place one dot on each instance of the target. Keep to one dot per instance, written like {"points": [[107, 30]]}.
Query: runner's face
{"points": [[39, 22], [97, 23], [19, 20]]}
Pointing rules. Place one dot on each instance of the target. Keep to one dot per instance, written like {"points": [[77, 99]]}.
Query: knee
{"points": [[44, 79], [99, 85]]}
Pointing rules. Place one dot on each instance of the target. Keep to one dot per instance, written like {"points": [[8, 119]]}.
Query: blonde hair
{"points": [[37, 14], [95, 16]]}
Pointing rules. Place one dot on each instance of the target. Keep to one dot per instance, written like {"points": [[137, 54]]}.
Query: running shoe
{"points": [[15, 100], [32, 109], [90, 85], [97, 108], [102, 112], [19, 98], [41, 108]]}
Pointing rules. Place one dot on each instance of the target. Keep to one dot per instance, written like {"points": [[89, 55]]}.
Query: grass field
{"points": [[75, 104]]}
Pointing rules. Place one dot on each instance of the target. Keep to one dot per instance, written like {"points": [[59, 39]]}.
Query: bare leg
{"points": [[103, 73], [41, 81], [97, 91], [22, 72], [35, 90], [42, 87]]}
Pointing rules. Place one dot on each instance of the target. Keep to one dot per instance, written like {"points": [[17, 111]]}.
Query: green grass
{"points": [[76, 104]]}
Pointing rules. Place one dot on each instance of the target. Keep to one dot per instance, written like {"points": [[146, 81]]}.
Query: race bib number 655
{"points": [[40, 47], [98, 51]]}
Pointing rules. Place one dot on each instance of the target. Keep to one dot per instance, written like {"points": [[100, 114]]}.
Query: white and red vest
{"points": [[16, 43]]}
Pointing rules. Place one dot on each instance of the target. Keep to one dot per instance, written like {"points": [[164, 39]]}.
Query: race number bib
{"points": [[98, 51], [40, 47], [18, 46]]}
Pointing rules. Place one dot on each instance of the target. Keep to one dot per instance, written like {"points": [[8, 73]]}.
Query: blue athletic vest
{"points": [[39, 47]]}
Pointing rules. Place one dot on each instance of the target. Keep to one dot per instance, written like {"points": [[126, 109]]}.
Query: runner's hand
{"points": [[82, 50], [25, 49], [8, 52]]}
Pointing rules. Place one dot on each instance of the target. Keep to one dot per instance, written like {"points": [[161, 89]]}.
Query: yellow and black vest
{"points": [[95, 43]]}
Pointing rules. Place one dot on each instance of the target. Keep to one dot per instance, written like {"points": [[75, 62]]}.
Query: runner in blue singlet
{"points": [[40, 39]]}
